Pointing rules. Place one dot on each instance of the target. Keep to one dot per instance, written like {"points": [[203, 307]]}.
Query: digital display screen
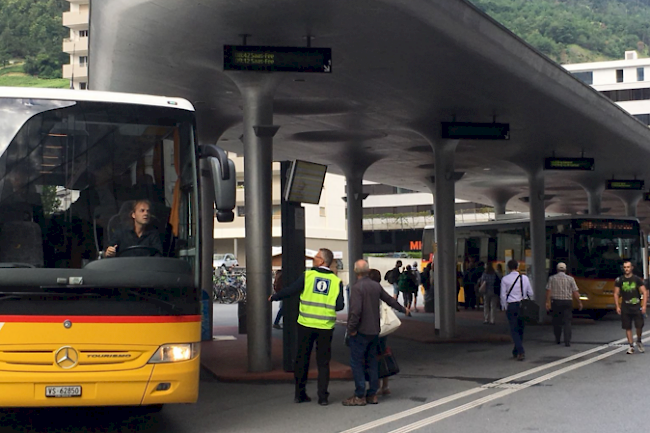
{"points": [[277, 59], [569, 164], [604, 225], [475, 131], [305, 182], [625, 184]]}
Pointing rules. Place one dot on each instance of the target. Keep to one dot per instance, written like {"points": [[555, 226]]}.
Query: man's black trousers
{"points": [[562, 314], [306, 339]]}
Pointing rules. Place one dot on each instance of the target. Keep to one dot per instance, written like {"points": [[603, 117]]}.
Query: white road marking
{"points": [[496, 384], [434, 419]]}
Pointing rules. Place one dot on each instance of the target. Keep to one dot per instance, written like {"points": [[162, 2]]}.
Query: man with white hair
{"points": [[363, 329], [559, 291]]}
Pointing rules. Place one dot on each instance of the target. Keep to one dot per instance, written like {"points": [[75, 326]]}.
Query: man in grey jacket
{"points": [[363, 329]]}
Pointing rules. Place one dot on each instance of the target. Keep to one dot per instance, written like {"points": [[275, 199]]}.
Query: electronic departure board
{"points": [[569, 164], [277, 59], [305, 182], [475, 131], [632, 185]]}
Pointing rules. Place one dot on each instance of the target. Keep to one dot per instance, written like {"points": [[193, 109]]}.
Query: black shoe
{"points": [[521, 357], [302, 399], [567, 344], [557, 341], [323, 401]]}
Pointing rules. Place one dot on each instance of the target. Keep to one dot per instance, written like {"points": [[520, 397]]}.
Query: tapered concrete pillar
{"points": [[538, 235], [257, 91], [595, 197], [631, 200], [444, 192], [500, 199]]}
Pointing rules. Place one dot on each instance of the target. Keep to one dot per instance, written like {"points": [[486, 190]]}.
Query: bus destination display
{"points": [[569, 164], [475, 131], [277, 59], [632, 185]]}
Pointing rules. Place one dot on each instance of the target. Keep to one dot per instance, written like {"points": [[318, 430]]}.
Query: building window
{"points": [[586, 77], [640, 75], [241, 211], [619, 75], [83, 86], [83, 60], [277, 212], [644, 118], [321, 211], [83, 33], [240, 184]]}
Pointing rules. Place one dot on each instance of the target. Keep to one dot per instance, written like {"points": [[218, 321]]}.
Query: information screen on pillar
{"points": [[305, 182], [277, 59], [569, 164], [633, 185], [475, 131]]}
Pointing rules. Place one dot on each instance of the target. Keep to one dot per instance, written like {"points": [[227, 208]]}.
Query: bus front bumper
{"points": [[152, 384]]}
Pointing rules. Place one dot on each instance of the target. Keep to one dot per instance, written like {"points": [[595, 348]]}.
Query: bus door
{"points": [[559, 251]]}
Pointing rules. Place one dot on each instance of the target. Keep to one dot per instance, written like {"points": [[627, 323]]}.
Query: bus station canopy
{"points": [[399, 69]]}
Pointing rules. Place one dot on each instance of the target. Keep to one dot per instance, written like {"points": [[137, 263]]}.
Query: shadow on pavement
{"points": [[95, 419]]}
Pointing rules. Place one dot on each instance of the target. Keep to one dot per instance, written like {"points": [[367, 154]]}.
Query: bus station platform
{"points": [[226, 356]]}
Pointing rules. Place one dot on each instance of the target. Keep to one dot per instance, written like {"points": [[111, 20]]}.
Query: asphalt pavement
{"points": [[592, 386]]}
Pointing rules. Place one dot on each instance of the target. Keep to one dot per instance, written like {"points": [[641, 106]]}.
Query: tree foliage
{"points": [[576, 30], [32, 30]]}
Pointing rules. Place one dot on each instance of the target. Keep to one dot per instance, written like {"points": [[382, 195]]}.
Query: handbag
{"points": [[388, 320], [387, 364], [528, 309]]}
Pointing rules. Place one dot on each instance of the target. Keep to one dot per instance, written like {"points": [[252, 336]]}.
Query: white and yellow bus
{"points": [[592, 247], [77, 329]]}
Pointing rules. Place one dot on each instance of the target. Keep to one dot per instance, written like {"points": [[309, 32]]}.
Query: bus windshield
{"points": [[601, 246], [71, 173]]}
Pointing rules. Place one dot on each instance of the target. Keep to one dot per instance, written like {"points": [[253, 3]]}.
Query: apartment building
{"points": [[77, 19], [626, 82]]}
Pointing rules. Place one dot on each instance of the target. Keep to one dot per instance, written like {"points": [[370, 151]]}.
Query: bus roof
{"points": [[95, 96], [526, 219]]}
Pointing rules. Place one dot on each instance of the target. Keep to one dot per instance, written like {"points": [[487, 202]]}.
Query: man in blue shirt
{"points": [[514, 288]]}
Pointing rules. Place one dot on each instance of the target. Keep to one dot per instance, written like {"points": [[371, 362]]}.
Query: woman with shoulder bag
{"points": [[489, 289], [375, 275]]}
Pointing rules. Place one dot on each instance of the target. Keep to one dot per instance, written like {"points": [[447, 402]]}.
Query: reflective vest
{"points": [[318, 300]]}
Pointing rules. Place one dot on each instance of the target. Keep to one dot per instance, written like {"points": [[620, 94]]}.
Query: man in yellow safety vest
{"points": [[321, 297]]}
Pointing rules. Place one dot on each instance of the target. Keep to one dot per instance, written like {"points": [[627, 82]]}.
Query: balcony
{"points": [[76, 20], [76, 46], [79, 71]]}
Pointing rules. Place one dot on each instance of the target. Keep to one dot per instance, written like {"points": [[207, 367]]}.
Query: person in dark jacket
{"points": [[363, 328]]}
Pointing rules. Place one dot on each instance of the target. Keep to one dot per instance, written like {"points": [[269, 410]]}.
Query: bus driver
{"points": [[139, 235]]}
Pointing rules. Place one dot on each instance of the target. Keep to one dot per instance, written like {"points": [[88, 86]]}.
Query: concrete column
{"points": [[354, 194], [500, 199], [631, 200], [257, 91], [445, 238], [538, 235], [595, 198]]}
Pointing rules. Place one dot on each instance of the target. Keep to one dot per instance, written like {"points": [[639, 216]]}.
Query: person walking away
{"points": [[363, 329], [514, 288], [277, 286], [392, 276], [559, 291], [427, 283], [417, 278], [490, 289], [407, 287], [470, 280], [321, 296], [632, 293]]}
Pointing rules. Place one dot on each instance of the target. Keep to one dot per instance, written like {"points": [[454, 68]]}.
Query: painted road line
{"points": [[436, 418], [448, 399]]}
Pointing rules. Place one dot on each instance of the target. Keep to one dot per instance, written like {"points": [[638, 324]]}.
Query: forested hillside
{"points": [[31, 30], [573, 31]]}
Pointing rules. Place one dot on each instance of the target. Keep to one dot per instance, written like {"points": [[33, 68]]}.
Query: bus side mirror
{"points": [[224, 181]]}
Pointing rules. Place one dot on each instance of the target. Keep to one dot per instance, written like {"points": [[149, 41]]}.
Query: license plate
{"points": [[62, 391]]}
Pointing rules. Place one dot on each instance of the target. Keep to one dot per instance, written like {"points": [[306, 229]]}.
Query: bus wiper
{"points": [[172, 307]]}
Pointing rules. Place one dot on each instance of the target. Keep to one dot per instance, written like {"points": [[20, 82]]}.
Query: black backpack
{"points": [[497, 285], [390, 276]]}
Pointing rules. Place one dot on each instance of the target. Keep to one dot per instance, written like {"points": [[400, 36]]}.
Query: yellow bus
{"points": [[592, 248], [78, 328]]}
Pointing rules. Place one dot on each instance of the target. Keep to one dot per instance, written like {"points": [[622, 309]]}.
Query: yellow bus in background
{"points": [[77, 329], [593, 249]]}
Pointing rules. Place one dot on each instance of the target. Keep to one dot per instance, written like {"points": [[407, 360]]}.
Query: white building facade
{"points": [[77, 19], [626, 82]]}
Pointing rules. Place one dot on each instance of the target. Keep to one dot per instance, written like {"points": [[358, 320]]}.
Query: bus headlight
{"points": [[175, 353], [584, 297]]}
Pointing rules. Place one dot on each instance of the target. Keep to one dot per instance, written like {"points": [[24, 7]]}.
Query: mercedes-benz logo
{"points": [[67, 324], [66, 357]]}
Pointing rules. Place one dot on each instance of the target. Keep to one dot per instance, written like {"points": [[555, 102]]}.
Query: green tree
{"points": [[51, 202]]}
